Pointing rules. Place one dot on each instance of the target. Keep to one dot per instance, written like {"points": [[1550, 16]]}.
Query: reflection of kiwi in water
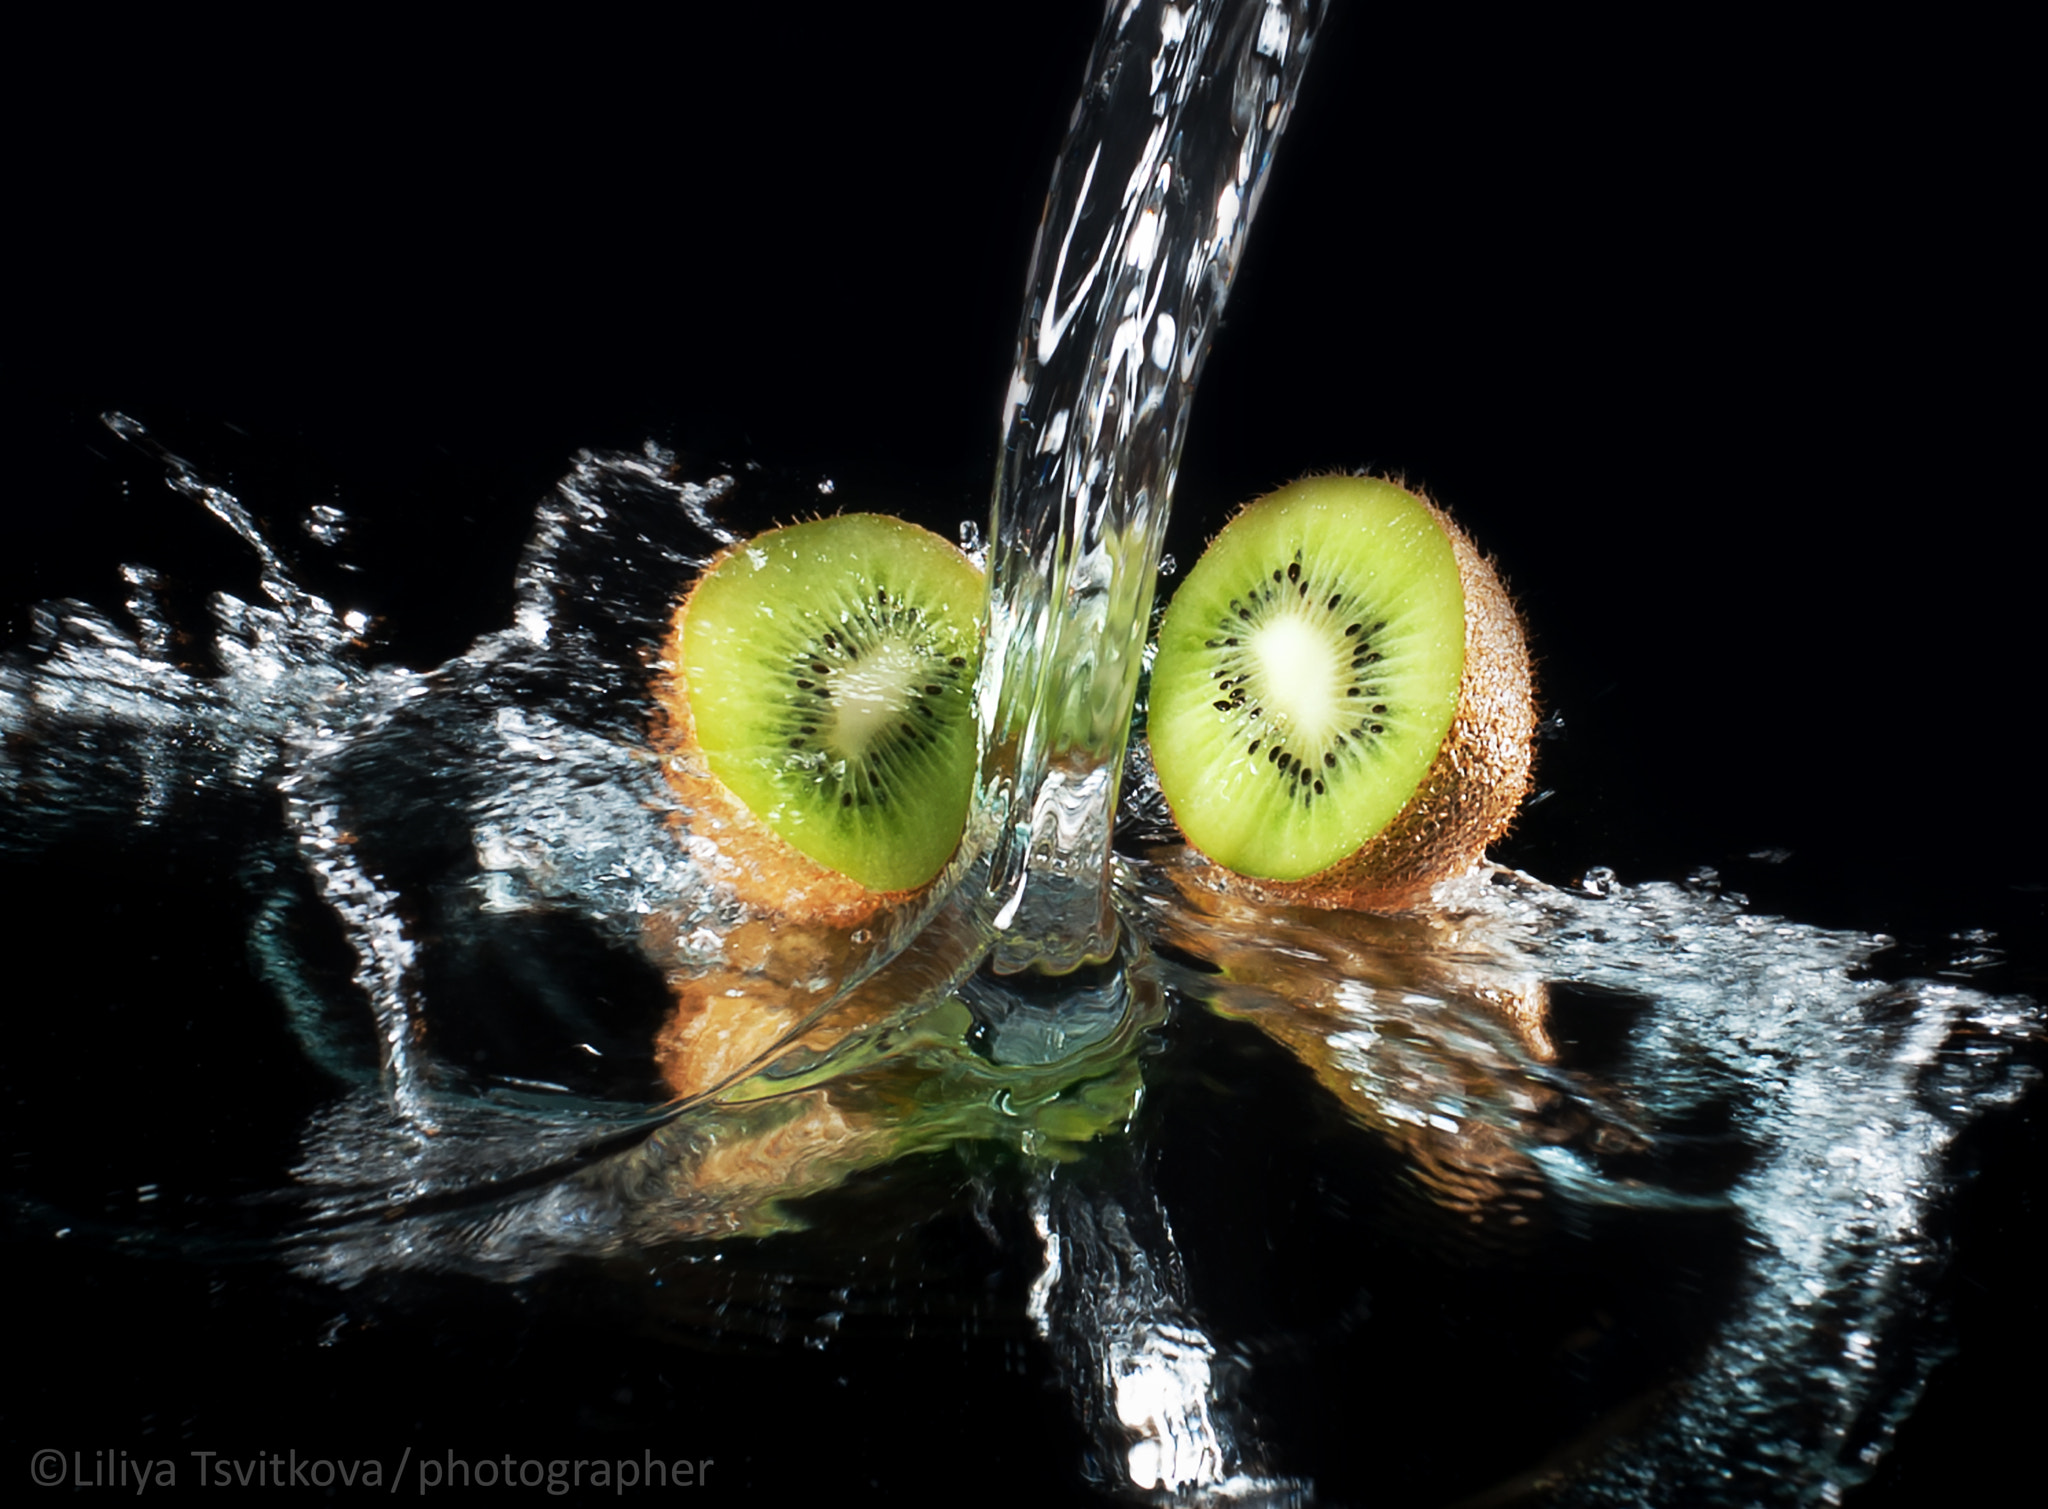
{"points": [[1340, 710], [818, 686]]}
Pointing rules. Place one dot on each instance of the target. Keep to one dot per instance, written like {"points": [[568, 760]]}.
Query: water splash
{"points": [[515, 781], [1747, 1065], [1114, 1303], [489, 849]]}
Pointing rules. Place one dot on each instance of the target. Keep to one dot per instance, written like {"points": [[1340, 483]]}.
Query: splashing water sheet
{"points": [[349, 903]]}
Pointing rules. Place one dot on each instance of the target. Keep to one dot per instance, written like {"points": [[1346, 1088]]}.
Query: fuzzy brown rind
{"points": [[765, 1000], [1470, 794]]}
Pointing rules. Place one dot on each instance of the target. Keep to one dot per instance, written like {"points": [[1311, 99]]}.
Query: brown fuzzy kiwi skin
{"points": [[1470, 794], [730, 1019]]}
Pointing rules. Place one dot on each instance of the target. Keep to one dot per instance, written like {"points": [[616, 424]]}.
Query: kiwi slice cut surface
{"points": [[1307, 673], [829, 668]]}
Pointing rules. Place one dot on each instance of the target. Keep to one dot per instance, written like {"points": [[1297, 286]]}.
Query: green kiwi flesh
{"points": [[830, 667], [1308, 671]]}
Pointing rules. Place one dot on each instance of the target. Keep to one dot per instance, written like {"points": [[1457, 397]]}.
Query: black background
{"points": [[1713, 335]]}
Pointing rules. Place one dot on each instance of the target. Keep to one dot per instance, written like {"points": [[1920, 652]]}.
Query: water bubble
{"points": [[326, 524]]}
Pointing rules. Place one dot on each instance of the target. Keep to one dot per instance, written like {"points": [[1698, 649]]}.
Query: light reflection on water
{"points": [[455, 874]]}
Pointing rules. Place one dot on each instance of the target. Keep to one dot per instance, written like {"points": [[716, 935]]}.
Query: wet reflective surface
{"points": [[464, 889]]}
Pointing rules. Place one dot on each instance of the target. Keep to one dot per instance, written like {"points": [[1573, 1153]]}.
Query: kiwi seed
{"points": [[1340, 710], [823, 674]]}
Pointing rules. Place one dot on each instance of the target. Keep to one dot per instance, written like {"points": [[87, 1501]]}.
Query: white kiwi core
{"points": [[869, 698], [1300, 672]]}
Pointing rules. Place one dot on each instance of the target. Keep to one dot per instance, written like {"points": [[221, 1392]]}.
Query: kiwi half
{"points": [[1340, 710], [817, 684]]}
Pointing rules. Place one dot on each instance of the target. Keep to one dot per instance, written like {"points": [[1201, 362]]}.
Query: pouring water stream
{"points": [[1149, 207]]}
